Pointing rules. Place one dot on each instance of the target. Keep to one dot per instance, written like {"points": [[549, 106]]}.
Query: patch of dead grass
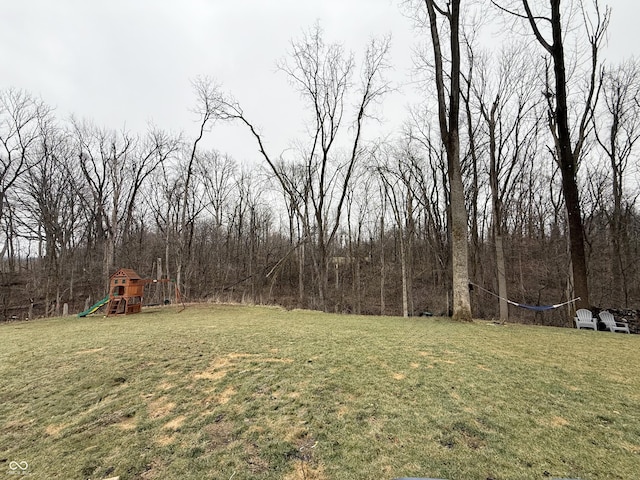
{"points": [[160, 408], [175, 424], [127, 424], [226, 395], [554, 422], [306, 471], [220, 366], [89, 351], [165, 440], [54, 430]]}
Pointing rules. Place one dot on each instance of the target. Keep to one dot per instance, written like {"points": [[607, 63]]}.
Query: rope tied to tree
{"points": [[536, 308]]}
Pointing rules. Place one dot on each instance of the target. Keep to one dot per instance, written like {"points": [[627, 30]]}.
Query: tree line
{"points": [[515, 175]]}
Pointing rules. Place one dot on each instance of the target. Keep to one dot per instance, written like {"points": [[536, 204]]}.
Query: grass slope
{"points": [[230, 392]]}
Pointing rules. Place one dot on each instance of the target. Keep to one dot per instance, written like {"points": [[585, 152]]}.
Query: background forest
{"points": [[349, 219]]}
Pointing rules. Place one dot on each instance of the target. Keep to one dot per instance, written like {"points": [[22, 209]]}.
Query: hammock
{"points": [[535, 308]]}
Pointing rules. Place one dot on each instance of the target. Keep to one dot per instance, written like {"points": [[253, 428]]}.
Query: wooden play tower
{"points": [[126, 290]]}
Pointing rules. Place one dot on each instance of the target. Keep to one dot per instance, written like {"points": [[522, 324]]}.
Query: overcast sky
{"points": [[123, 63]]}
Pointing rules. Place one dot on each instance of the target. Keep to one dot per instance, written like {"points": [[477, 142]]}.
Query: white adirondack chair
{"points": [[585, 319], [612, 324]]}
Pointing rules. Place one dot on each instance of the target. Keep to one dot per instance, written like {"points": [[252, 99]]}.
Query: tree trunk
{"points": [[459, 242], [382, 267], [448, 118], [502, 278], [568, 167], [568, 155]]}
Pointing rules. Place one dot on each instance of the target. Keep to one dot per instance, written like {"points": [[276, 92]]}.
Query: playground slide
{"points": [[94, 307]]}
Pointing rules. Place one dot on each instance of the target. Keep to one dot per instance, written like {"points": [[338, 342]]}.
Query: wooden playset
{"points": [[126, 293]]}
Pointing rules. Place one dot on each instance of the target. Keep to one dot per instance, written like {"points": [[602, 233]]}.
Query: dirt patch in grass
{"points": [[219, 433], [255, 462]]}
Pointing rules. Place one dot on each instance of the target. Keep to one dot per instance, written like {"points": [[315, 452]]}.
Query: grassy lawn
{"points": [[230, 392]]}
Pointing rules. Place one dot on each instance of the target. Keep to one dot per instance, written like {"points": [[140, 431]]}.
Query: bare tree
{"points": [[395, 175], [504, 95], [114, 167], [20, 117], [448, 95], [219, 175], [428, 165], [52, 213], [548, 28], [363, 209], [165, 201], [207, 109], [617, 131], [322, 74]]}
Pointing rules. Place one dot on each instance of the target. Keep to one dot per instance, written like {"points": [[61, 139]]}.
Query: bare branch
{"points": [[534, 26]]}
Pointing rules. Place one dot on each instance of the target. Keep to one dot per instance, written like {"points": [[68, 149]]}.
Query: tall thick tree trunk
{"points": [[568, 154], [568, 168], [576, 237], [448, 113], [459, 241]]}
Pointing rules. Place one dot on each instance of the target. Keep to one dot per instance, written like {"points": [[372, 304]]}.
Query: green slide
{"points": [[94, 307]]}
